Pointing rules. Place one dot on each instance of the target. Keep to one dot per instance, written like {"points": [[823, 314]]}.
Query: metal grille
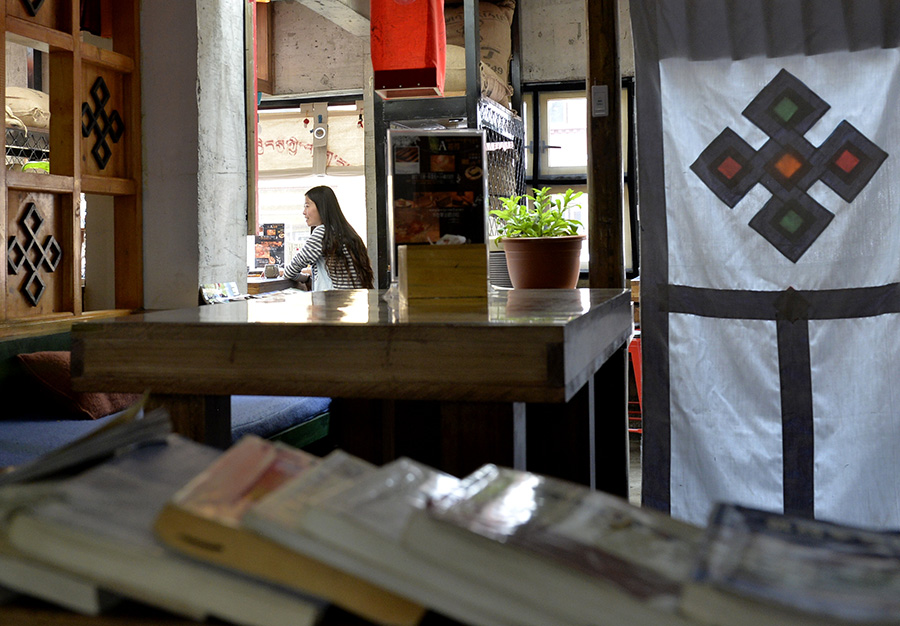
{"points": [[505, 140], [26, 147]]}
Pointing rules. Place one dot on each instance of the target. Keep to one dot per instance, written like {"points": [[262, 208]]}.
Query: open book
{"points": [[19, 575], [205, 520]]}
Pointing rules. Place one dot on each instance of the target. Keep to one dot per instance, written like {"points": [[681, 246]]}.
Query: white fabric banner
{"points": [[769, 136]]}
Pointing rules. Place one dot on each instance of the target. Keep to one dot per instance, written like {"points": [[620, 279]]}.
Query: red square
{"points": [[847, 161], [729, 168]]}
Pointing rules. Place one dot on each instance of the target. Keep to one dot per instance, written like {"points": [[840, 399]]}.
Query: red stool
{"points": [[634, 417]]}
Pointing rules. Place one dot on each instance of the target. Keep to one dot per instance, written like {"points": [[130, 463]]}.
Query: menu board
{"points": [[438, 187], [270, 245]]}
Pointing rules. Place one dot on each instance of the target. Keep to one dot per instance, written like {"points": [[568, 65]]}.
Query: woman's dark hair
{"points": [[339, 233]]}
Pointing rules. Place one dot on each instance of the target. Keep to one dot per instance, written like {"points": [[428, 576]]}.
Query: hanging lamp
{"points": [[408, 43]]}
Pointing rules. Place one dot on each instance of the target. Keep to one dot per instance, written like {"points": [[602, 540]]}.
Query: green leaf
{"points": [[544, 218]]}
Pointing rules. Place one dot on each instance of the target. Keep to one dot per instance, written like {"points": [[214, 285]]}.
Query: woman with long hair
{"points": [[334, 250]]}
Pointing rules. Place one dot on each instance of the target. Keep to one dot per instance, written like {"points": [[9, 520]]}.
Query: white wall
{"points": [[16, 65], [194, 173], [100, 261], [170, 146]]}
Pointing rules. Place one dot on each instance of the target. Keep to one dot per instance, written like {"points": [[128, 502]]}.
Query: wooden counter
{"points": [[450, 380]]}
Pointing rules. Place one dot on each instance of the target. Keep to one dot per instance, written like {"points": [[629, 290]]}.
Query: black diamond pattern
{"points": [[787, 165], [46, 256], [101, 124], [32, 6], [792, 226], [15, 256]]}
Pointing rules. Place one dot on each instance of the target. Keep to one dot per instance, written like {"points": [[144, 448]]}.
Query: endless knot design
{"points": [[788, 164], [102, 124], [32, 6], [32, 255]]}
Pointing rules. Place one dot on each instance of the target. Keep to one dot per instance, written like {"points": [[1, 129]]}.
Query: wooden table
{"points": [[516, 379]]}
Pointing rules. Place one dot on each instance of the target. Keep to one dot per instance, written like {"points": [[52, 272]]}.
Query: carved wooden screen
{"points": [[89, 91]]}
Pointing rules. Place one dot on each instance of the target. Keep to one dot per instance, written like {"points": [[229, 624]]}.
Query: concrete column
{"points": [[194, 146]]}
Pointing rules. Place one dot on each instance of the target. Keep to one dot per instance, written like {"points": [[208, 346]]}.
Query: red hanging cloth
{"points": [[408, 47]]}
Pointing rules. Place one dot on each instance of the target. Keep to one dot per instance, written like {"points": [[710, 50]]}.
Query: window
{"points": [[281, 202], [303, 146], [556, 153], [565, 128]]}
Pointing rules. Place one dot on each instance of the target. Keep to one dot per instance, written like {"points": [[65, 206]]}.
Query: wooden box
{"points": [[442, 271]]}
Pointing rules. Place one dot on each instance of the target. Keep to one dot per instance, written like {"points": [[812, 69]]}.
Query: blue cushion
{"points": [[27, 438], [269, 415], [23, 440]]}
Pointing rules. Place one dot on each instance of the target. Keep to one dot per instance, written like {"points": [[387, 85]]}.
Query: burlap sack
{"points": [[495, 29], [455, 78], [32, 107]]}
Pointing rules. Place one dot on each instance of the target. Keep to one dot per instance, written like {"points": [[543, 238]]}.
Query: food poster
{"points": [[270, 245], [437, 187]]}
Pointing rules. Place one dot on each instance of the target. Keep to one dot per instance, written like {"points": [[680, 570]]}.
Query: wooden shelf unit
{"points": [[91, 89]]}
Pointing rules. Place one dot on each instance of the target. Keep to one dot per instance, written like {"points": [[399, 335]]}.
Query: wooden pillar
{"points": [[607, 260], [605, 170]]}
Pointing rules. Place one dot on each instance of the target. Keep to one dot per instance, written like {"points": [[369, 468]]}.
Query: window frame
{"points": [[537, 174]]}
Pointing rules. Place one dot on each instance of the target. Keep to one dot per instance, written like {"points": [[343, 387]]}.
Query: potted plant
{"points": [[542, 245]]}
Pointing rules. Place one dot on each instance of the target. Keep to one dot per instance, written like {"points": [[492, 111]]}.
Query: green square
{"points": [[786, 109], [791, 221]]}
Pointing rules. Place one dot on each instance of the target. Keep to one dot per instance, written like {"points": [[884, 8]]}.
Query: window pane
{"points": [[567, 132], [529, 133]]}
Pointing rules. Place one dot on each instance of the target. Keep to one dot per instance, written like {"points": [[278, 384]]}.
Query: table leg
{"points": [[363, 428], [206, 419], [611, 433], [561, 440]]}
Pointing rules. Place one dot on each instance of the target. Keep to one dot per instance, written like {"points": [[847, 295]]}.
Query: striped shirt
{"points": [[341, 277]]}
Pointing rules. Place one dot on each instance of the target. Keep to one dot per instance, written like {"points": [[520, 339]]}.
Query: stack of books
{"points": [[265, 534]]}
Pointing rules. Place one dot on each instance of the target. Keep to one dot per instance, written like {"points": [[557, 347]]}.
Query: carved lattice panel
{"points": [[104, 124], [50, 13], [38, 256]]}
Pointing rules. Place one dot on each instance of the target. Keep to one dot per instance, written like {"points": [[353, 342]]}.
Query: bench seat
{"points": [[268, 416], [297, 420]]}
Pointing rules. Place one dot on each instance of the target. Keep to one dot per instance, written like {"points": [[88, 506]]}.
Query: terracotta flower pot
{"points": [[543, 262]]}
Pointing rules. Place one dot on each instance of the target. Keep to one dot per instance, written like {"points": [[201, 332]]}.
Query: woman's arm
{"points": [[308, 255]]}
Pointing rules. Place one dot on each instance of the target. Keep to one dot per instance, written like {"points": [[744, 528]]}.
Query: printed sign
{"points": [[437, 187]]}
